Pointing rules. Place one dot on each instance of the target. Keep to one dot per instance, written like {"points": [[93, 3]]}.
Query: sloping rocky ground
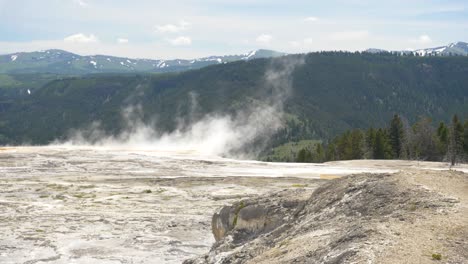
{"points": [[414, 216]]}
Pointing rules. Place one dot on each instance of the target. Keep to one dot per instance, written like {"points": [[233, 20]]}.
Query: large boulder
{"points": [[252, 217]]}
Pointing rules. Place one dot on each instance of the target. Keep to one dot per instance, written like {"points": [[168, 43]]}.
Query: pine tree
{"points": [[370, 143], [330, 152], [424, 140], [319, 155], [301, 155], [357, 144], [455, 150], [380, 146], [442, 133], [343, 146], [308, 156], [442, 138], [396, 134], [304, 155]]}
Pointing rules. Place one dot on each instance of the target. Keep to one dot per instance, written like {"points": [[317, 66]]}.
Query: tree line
{"points": [[399, 140]]}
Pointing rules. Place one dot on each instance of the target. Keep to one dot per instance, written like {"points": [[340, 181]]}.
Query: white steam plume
{"points": [[214, 134]]}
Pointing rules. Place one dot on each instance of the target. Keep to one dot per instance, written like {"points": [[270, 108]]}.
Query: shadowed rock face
{"points": [[366, 218], [251, 218]]}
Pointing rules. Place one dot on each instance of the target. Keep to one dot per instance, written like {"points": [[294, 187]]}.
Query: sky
{"points": [[191, 29]]}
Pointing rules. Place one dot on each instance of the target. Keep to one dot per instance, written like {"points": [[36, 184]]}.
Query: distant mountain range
{"points": [[64, 62], [452, 49]]}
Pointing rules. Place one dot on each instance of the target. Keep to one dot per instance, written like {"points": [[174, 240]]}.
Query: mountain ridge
{"points": [[63, 62], [458, 48]]}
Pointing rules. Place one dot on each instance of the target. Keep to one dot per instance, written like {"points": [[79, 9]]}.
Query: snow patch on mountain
{"points": [[161, 64], [249, 55], [457, 48], [453, 49]]}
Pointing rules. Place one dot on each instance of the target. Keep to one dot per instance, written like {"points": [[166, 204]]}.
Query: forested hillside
{"points": [[330, 92]]}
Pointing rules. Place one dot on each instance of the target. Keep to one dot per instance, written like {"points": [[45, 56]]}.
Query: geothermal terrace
{"points": [[69, 204]]}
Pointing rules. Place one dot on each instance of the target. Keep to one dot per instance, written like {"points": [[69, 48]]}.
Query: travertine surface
{"points": [[62, 204]]}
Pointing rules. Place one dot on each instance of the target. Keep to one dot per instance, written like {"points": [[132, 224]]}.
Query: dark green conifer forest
{"points": [[399, 140]]}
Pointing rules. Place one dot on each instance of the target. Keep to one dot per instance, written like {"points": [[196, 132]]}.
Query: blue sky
{"points": [[190, 29]]}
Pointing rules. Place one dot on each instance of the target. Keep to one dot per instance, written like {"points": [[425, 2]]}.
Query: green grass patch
{"points": [[288, 152], [236, 215], [436, 256]]}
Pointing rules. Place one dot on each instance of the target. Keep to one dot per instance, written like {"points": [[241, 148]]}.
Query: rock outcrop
{"points": [[251, 218], [407, 217]]}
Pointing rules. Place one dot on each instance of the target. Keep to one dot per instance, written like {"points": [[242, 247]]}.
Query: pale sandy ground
{"points": [[94, 205], [442, 232]]}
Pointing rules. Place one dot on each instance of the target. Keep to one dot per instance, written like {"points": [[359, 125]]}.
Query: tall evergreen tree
{"points": [[424, 140], [370, 142], [442, 133], [344, 146], [455, 150], [304, 155], [380, 146], [301, 155], [330, 152], [357, 144], [319, 154], [396, 134], [442, 139]]}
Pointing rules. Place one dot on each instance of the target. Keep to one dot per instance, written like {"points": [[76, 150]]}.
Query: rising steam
{"points": [[214, 134]]}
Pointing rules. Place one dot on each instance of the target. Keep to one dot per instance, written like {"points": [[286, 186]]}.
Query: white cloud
{"points": [[311, 19], [171, 28], [295, 44], [81, 38], [81, 3], [181, 41], [350, 35], [301, 44], [308, 41], [122, 40], [264, 39], [423, 39]]}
